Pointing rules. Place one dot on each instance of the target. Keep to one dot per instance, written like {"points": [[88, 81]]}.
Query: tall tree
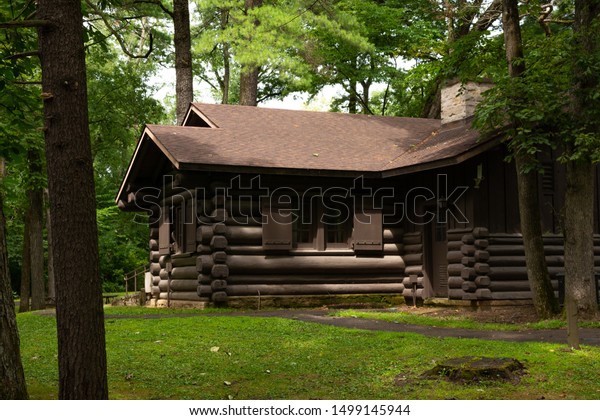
{"points": [[36, 229], [79, 313], [527, 177], [581, 151], [184, 87], [12, 377], [250, 71], [25, 294]]}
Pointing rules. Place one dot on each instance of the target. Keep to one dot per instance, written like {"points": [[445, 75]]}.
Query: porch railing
{"points": [[132, 277]]}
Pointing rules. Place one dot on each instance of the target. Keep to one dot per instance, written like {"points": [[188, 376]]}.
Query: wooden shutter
{"points": [[277, 229], [190, 225], [164, 232], [367, 234]]}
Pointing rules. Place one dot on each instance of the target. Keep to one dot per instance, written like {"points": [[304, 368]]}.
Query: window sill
{"points": [[332, 251]]}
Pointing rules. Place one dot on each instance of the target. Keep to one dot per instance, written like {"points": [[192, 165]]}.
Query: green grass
{"points": [[454, 321], [274, 358]]}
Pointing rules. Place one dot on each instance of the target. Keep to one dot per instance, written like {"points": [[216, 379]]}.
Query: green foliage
{"points": [[539, 102], [288, 40], [120, 103]]}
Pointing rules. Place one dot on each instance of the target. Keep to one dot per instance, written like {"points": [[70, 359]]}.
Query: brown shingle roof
{"points": [[283, 139], [250, 139]]}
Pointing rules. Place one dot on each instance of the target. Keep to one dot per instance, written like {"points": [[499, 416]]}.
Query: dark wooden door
{"points": [[436, 262]]}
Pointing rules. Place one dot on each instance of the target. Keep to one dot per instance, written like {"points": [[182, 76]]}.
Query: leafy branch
{"points": [[118, 36]]}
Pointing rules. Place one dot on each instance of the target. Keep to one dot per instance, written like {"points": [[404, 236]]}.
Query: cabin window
{"points": [[304, 228], [177, 229], [317, 224], [164, 232], [311, 224], [336, 218]]}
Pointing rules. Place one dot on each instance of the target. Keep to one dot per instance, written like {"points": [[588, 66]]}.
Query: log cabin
{"points": [[248, 205]]}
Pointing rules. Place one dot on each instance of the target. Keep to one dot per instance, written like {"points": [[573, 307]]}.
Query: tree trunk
{"points": [[579, 239], [51, 281], [249, 85], [12, 378], [249, 71], [528, 190], [226, 74], [79, 314], [579, 195], [36, 234], [226, 60], [184, 86], [352, 98], [531, 228], [25, 268]]}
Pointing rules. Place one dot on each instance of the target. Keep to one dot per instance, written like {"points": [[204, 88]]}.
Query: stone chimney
{"points": [[460, 99]]}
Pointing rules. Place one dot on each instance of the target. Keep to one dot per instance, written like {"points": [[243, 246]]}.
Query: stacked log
{"points": [[413, 257], [456, 260], [508, 272], [475, 273], [481, 266], [211, 262], [154, 256], [507, 266]]}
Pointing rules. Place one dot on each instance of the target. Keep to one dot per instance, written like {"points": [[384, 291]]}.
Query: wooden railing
{"points": [[133, 276]]}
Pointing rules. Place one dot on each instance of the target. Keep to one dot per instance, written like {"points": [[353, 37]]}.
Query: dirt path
{"points": [[589, 336]]}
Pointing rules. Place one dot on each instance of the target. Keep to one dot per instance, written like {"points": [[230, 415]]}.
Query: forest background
{"points": [[383, 57]]}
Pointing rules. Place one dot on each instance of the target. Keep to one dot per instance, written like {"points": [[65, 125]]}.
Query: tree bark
{"points": [[12, 377], [79, 313], [528, 190], [51, 279], [36, 233], [249, 85], [249, 72], [184, 85], [25, 268], [579, 195], [226, 60]]}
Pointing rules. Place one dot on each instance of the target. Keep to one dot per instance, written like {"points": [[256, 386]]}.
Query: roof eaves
{"points": [[146, 134], [279, 170], [479, 148], [130, 166], [162, 148]]}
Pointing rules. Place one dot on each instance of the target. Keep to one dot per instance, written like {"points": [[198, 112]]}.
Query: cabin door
{"points": [[436, 262]]}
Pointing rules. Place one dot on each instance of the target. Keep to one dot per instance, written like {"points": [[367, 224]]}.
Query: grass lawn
{"points": [[222, 357]]}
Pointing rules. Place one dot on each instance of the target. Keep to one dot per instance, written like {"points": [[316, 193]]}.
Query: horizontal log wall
{"points": [[230, 261], [506, 268]]}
